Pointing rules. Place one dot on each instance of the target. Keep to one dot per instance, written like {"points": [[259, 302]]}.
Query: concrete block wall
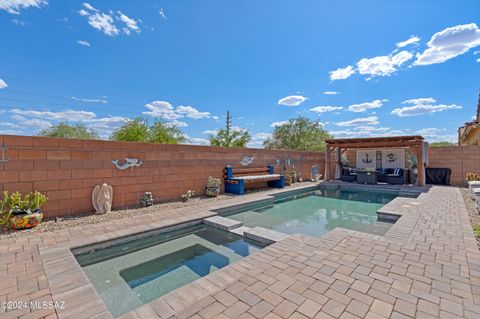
{"points": [[67, 170]]}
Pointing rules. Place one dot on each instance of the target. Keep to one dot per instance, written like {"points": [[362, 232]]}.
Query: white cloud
{"points": [[105, 22], [411, 40], [364, 131], [422, 106], [210, 132], [104, 126], [88, 6], [162, 13], [131, 24], [177, 123], [331, 92], [84, 43], [14, 6], [361, 121], [362, 107], [165, 110], [421, 100], [429, 132], [96, 100], [68, 115], [162, 109], [292, 100], [192, 112], [478, 60], [3, 84], [199, 141], [383, 65], [279, 123], [258, 139], [36, 123], [342, 73], [19, 22], [449, 43], [323, 109]]}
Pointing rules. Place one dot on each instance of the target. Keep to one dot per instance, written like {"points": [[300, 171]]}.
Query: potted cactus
{"points": [[23, 212], [213, 187]]}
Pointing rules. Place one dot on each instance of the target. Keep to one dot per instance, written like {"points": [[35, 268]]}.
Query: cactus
{"points": [[37, 200]]}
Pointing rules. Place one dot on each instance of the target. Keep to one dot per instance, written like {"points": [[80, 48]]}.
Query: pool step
{"points": [[263, 235], [222, 223]]}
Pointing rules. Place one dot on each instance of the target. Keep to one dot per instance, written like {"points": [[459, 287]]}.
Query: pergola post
{"points": [[420, 164], [327, 163]]}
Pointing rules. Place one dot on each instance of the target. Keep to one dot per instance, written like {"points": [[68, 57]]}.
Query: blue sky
{"points": [[362, 68]]}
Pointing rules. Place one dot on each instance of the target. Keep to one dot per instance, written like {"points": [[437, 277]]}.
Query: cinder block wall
{"points": [[460, 159], [67, 170]]}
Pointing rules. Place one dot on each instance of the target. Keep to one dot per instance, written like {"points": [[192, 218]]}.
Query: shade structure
{"points": [[415, 143]]}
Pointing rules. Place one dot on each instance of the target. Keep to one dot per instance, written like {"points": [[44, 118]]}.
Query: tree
{"points": [[138, 130], [230, 137], [300, 134], [441, 144], [66, 130], [132, 131], [165, 134]]}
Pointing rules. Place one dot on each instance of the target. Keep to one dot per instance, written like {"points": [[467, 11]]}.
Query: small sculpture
{"points": [[147, 199], [129, 162], [102, 197]]}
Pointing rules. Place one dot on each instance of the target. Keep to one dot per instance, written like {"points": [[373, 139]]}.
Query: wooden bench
{"points": [[236, 178]]}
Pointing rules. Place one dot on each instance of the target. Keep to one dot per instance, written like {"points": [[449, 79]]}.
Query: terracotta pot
{"points": [[23, 220]]}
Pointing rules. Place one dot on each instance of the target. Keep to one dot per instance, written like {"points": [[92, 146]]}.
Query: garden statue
{"points": [[102, 197], [147, 199]]}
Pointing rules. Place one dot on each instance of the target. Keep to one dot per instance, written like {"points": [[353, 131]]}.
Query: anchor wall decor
{"points": [[129, 162], [366, 158]]}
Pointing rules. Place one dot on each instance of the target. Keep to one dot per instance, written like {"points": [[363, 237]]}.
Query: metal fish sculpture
{"points": [[247, 160], [129, 162]]}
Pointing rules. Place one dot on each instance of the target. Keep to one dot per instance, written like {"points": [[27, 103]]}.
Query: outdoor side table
{"points": [[366, 178]]}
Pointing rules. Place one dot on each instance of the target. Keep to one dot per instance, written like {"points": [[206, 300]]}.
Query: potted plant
{"points": [[213, 187], [24, 212], [187, 196]]}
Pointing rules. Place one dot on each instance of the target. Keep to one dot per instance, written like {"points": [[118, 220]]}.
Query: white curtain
{"points": [[393, 158]]}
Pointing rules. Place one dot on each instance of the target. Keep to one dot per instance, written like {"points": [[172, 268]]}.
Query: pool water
{"points": [[129, 275], [316, 213]]}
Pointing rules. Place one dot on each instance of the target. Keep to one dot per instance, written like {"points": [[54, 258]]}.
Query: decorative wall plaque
{"points": [[129, 162]]}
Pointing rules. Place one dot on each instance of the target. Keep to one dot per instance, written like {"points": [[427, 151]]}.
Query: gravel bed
{"points": [[90, 218], [472, 210]]}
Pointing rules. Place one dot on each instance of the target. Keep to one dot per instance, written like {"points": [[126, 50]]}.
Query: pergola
{"points": [[415, 143]]}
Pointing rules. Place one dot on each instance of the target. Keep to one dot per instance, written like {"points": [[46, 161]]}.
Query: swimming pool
{"points": [[136, 272], [316, 213]]}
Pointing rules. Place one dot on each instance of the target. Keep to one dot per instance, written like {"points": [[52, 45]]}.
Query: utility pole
{"points": [[229, 125]]}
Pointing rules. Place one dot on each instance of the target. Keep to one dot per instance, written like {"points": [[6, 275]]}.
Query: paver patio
{"points": [[426, 266]]}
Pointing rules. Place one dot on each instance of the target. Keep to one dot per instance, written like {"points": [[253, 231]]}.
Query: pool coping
{"points": [[68, 282]]}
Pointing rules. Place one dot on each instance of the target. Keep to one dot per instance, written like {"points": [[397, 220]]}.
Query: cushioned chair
{"points": [[398, 176]]}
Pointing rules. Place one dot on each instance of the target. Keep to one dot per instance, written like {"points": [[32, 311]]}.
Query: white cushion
{"points": [[254, 177]]}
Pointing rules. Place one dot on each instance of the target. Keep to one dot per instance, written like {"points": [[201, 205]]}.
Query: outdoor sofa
{"points": [[397, 176]]}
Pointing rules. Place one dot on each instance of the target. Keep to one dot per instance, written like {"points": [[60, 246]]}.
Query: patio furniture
{"points": [[236, 178], [397, 176], [438, 176], [348, 174], [366, 177]]}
